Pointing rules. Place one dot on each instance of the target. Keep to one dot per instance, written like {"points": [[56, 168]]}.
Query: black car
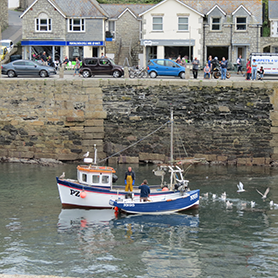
{"points": [[99, 66], [26, 67]]}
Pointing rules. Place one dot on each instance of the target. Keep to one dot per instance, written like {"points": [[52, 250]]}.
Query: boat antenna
{"points": [[171, 138], [95, 148]]}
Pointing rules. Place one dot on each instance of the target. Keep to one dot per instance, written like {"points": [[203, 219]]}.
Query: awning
{"points": [[62, 43]]}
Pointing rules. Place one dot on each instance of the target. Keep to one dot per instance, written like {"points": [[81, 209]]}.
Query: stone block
{"points": [[37, 123], [45, 155], [94, 92], [224, 83], [222, 158], [128, 160], [89, 83], [93, 129], [224, 109], [274, 156], [4, 152], [244, 161], [75, 119], [21, 154], [97, 122], [67, 156], [258, 161], [96, 115], [91, 143], [77, 128], [135, 118], [151, 157], [274, 129], [243, 84]]}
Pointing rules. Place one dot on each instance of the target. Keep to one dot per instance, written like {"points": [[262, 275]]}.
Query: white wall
{"points": [[12, 4]]}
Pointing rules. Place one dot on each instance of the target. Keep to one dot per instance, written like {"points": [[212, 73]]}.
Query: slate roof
{"points": [[81, 8], [228, 6], [272, 9], [114, 10]]}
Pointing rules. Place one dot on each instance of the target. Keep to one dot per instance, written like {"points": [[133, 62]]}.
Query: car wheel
{"points": [[153, 74], [228, 75], [43, 73], [116, 74], [182, 75], [11, 73], [86, 74]]}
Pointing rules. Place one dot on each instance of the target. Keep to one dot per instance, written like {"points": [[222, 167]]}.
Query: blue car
{"points": [[165, 67]]}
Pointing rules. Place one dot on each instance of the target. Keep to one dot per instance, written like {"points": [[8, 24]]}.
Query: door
{"points": [[31, 68], [104, 66], [19, 67], [171, 68], [95, 52]]}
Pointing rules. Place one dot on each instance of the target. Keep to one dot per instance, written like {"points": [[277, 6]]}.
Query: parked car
{"points": [[165, 67], [3, 52], [26, 67], [8, 43], [98, 66]]}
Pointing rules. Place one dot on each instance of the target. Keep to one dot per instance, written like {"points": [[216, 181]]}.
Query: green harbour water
{"points": [[38, 237]]}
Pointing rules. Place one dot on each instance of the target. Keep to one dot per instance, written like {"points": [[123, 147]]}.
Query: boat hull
{"points": [[95, 197], [159, 206]]}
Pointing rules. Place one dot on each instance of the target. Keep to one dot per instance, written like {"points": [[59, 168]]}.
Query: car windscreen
{"points": [[112, 62], [5, 44]]}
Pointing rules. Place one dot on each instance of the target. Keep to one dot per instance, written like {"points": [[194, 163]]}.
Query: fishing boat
{"points": [[94, 186], [158, 204]]}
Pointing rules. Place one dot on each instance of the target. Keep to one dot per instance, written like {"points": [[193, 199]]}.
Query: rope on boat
{"points": [[134, 143]]}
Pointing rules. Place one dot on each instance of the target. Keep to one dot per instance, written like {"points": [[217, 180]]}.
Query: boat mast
{"points": [[171, 139]]}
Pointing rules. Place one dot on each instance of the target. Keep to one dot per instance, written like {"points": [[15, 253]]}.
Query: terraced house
{"points": [[135, 33]]}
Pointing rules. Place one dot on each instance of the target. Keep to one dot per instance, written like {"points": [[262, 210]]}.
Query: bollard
{"points": [[126, 74], [187, 73], [61, 72]]}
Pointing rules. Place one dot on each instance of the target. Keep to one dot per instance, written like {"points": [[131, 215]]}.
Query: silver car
{"points": [[26, 67]]}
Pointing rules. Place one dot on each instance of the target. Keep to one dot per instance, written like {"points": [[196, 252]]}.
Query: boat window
{"points": [[95, 179], [105, 179], [84, 177]]}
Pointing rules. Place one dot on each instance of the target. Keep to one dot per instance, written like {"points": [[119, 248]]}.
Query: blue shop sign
{"points": [[62, 43], [85, 43]]}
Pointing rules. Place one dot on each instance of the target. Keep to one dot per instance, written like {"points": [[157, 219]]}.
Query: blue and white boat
{"points": [[158, 204]]}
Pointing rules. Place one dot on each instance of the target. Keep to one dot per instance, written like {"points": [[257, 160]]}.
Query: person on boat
{"points": [[145, 191], [129, 179]]}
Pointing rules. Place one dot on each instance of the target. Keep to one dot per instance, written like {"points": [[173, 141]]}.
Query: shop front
{"points": [[167, 49], [59, 49]]}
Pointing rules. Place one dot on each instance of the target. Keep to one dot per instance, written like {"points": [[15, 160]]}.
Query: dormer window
{"points": [[76, 25], [241, 23], [216, 24], [43, 23]]}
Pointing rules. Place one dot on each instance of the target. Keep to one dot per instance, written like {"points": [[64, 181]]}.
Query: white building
{"points": [[171, 28]]}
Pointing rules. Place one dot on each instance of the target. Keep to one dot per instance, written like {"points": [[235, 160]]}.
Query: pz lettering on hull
{"points": [[75, 192]]}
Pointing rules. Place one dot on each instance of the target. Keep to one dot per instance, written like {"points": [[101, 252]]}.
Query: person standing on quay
{"points": [[254, 69], [129, 179], [224, 65], [195, 69], [239, 65]]}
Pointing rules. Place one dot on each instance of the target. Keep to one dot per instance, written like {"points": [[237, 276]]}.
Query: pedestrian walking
{"points": [[195, 69], [254, 65]]}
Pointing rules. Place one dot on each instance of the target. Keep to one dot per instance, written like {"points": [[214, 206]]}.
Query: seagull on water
{"points": [[223, 196], [206, 195], [253, 204], [229, 205], [265, 194], [62, 176], [86, 154], [240, 187]]}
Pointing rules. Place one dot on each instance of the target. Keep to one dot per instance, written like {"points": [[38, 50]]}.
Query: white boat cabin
{"points": [[100, 176]]}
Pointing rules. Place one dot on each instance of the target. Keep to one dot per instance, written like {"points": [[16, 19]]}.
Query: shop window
{"points": [[157, 23], [105, 179], [76, 25], [43, 23], [95, 179], [216, 24], [241, 23], [183, 23], [75, 51]]}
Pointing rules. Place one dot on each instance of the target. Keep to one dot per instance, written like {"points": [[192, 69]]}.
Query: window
{"points": [[111, 28], [183, 24], [104, 62], [95, 179], [158, 23], [105, 179], [76, 25], [241, 23], [91, 62], [216, 24], [84, 177], [43, 23]]}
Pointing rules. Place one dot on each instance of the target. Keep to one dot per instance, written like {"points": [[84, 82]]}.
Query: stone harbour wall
{"points": [[220, 121]]}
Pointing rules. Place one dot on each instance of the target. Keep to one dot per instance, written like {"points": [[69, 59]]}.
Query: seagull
{"points": [[213, 196], [240, 187], [86, 154], [252, 204], [223, 196], [229, 204], [206, 195], [265, 194], [62, 176], [272, 204]]}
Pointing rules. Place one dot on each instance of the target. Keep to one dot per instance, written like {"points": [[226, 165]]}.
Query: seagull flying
{"points": [[240, 187], [62, 176], [86, 154], [265, 194]]}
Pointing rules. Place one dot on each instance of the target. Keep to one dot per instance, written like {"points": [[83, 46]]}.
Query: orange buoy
{"points": [[116, 208], [165, 189], [83, 194]]}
